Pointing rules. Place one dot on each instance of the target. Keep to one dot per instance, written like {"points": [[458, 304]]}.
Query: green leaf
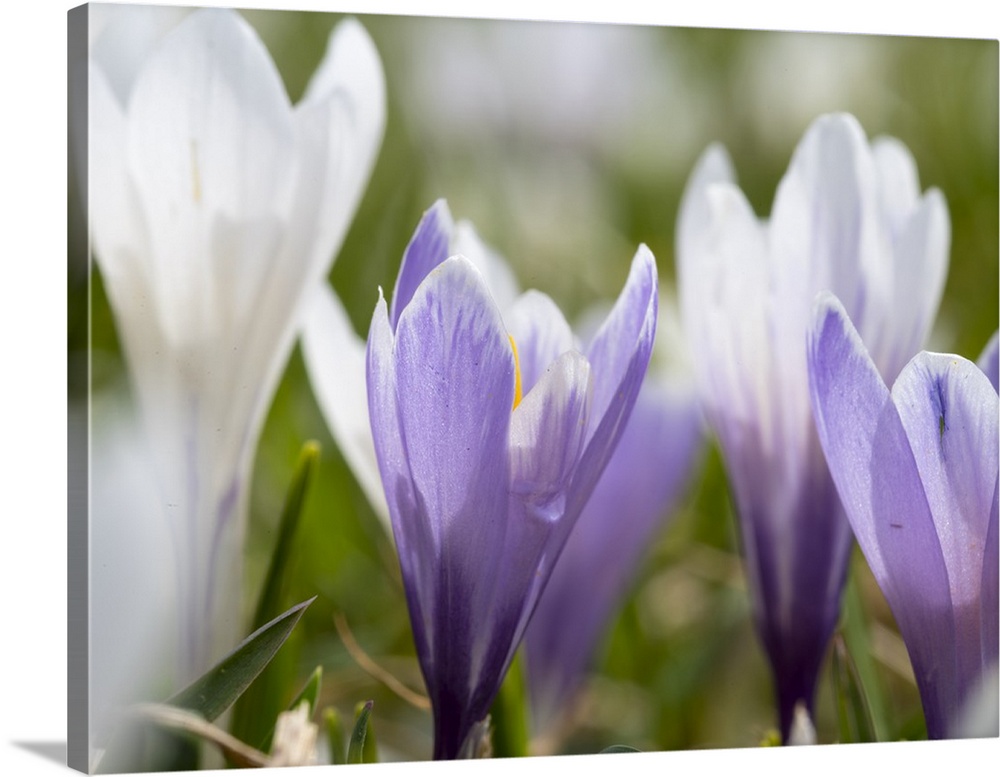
{"points": [[212, 693], [269, 602], [309, 694], [619, 749], [359, 750], [334, 735], [509, 714], [254, 715], [855, 631], [853, 713]]}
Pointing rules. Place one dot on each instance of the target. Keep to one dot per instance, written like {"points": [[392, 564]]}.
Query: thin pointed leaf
{"points": [[271, 594], [509, 714], [213, 693], [854, 628], [369, 752], [619, 749], [357, 747], [254, 715], [853, 713], [310, 691], [334, 735], [309, 694]]}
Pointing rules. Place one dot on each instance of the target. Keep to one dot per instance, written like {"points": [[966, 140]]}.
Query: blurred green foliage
{"points": [[680, 667]]}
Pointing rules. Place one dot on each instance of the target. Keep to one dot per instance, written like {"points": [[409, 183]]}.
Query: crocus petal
{"points": [[226, 153], [351, 66], [619, 356], [335, 358], [632, 498], [988, 361], [455, 370], [128, 35], [340, 121], [547, 432], [113, 204], [437, 237], [823, 210], [455, 391], [724, 304], [949, 411], [920, 264], [880, 487], [694, 217], [990, 602], [898, 181], [540, 332], [429, 246], [632, 320], [499, 277], [916, 233]]}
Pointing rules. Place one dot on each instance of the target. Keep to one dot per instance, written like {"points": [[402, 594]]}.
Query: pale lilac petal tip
{"points": [[428, 247]]}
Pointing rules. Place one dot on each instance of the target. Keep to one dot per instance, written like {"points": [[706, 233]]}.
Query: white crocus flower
{"points": [[849, 217], [215, 206]]}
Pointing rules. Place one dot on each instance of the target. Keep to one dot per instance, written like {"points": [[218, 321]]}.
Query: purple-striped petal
{"points": [[620, 351], [949, 411], [455, 372], [428, 247], [619, 356], [455, 390], [541, 333], [880, 487], [547, 433], [632, 498]]}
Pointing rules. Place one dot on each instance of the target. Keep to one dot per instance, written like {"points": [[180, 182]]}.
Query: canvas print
{"points": [[452, 388]]}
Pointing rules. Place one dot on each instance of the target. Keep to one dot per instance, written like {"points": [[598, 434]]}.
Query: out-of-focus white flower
{"points": [[130, 610], [215, 205], [848, 217]]}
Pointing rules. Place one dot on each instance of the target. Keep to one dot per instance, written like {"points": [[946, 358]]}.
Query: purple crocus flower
{"points": [[632, 499], [490, 431], [848, 216], [917, 471]]}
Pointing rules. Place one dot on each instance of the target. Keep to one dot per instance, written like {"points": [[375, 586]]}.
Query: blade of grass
{"points": [[334, 735], [271, 593], [853, 713], [509, 714], [255, 714], [359, 745]]}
